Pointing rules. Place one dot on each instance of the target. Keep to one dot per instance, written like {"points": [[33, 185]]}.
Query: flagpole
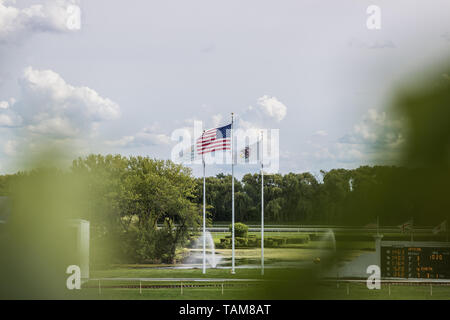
{"points": [[378, 225], [232, 195], [262, 207], [446, 228], [204, 214]]}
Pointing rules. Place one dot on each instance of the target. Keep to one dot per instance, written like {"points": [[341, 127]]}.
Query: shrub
{"points": [[241, 242], [251, 241], [240, 230], [299, 239]]}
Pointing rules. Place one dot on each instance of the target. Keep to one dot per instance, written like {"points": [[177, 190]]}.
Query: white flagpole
{"points": [[378, 226], [262, 207], [232, 195], [204, 215], [446, 228]]}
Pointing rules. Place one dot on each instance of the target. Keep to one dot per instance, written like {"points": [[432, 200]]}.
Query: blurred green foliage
{"points": [[418, 188], [133, 205], [37, 244], [128, 198]]}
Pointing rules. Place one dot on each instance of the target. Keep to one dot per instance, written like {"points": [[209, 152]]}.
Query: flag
{"points": [[250, 153], [215, 139], [245, 153], [440, 228], [406, 226]]}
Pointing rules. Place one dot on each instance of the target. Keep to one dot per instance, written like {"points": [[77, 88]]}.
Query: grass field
{"points": [[348, 247], [236, 291], [175, 273], [327, 292]]}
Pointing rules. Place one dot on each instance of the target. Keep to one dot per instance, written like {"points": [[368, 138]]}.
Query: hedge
{"points": [[269, 242]]}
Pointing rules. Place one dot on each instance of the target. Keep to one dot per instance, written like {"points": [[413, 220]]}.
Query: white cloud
{"points": [[377, 138], [49, 106], [49, 112], [10, 148], [217, 120], [272, 107], [350, 153], [49, 16], [359, 44], [8, 118], [268, 111], [320, 133], [377, 130], [122, 142], [55, 127], [7, 104], [145, 137], [446, 36]]}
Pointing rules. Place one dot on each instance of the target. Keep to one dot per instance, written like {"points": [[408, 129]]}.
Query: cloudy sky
{"points": [[134, 71]]}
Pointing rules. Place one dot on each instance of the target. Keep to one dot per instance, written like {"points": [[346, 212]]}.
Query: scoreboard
{"points": [[420, 260]]}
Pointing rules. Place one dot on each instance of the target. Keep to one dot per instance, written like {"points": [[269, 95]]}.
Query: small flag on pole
{"points": [[440, 228], [251, 153], [245, 153], [406, 226]]}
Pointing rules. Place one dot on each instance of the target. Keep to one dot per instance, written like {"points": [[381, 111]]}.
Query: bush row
{"points": [[269, 242]]}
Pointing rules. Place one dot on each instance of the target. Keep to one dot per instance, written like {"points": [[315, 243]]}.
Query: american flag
{"points": [[215, 139]]}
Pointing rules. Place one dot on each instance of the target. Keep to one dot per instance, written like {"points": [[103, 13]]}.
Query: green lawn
{"points": [[397, 292], [174, 273], [325, 292], [164, 294], [348, 247]]}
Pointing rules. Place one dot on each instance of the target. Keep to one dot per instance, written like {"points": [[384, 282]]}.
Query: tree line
{"points": [[342, 196], [143, 210]]}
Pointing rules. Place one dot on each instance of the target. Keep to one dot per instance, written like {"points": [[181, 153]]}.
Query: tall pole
{"points": [[204, 215], [412, 229], [446, 228], [378, 225], [232, 195], [262, 207]]}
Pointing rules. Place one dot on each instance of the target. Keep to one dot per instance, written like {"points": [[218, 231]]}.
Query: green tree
{"points": [[144, 207]]}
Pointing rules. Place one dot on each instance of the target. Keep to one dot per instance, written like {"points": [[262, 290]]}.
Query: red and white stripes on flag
{"points": [[215, 139]]}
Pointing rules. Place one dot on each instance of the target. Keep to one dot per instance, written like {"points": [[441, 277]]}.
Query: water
{"points": [[329, 235], [196, 255], [327, 253]]}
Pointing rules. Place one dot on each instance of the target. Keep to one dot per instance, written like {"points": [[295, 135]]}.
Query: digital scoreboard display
{"points": [[418, 260]]}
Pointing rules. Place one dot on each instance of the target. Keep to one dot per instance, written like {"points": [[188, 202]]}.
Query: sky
{"points": [[132, 72]]}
